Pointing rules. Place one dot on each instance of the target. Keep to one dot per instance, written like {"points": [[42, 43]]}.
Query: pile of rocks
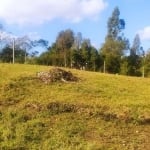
{"points": [[56, 74]]}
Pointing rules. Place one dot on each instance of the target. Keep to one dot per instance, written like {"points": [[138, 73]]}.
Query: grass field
{"points": [[99, 112]]}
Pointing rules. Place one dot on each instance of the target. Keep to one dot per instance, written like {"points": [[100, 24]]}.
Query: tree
{"points": [[85, 53], [64, 42], [115, 43], [112, 52], [94, 58], [136, 47], [135, 58], [78, 41], [115, 25], [6, 55], [76, 58], [147, 63]]}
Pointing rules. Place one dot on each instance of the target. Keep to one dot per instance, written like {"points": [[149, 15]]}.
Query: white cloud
{"points": [[145, 34], [6, 35], [39, 11], [9, 36]]}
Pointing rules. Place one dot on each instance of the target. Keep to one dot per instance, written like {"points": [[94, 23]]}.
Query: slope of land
{"points": [[99, 112]]}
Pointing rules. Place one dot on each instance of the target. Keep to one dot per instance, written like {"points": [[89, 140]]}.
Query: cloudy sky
{"points": [[45, 18]]}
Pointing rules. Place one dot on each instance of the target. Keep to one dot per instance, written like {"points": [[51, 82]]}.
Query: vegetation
{"points": [[115, 44], [100, 111], [51, 108], [71, 50]]}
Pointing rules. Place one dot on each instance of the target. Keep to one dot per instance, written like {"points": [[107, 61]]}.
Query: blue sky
{"points": [[45, 18]]}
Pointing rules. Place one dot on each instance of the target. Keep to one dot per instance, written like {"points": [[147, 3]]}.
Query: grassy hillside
{"points": [[99, 112]]}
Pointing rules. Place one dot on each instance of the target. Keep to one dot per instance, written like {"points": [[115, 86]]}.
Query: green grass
{"points": [[99, 112]]}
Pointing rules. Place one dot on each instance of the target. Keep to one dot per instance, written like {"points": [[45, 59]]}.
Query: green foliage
{"points": [[112, 63], [94, 59], [81, 54], [146, 64], [64, 42], [76, 58], [112, 52], [134, 65], [115, 44], [7, 53], [134, 60], [114, 24]]}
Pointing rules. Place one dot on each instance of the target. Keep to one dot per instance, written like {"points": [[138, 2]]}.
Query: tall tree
{"points": [[115, 43], [135, 58], [115, 25], [147, 63], [94, 58], [136, 47], [85, 53], [64, 42], [78, 41]]}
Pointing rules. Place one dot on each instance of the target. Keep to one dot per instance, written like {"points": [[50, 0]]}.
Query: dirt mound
{"points": [[55, 75]]}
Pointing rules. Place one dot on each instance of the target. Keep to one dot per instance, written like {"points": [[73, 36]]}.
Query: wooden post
{"points": [[104, 67], [143, 72], [13, 50]]}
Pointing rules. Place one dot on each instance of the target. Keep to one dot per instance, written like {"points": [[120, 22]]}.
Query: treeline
{"points": [[19, 49], [116, 55], [70, 49]]}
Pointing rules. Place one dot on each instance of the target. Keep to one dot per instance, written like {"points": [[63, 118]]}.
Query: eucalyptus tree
{"points": [[115, 42]]}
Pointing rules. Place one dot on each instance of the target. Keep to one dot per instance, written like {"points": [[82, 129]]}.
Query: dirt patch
{"points": [[56, 75]]}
